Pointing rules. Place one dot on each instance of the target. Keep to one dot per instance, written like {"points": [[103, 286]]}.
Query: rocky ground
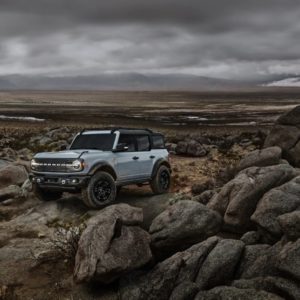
{"points": [[229, 230]]}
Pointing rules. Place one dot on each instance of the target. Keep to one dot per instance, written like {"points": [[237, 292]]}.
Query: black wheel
{"points": [[100, 191], [162, 180], [45, 195]]}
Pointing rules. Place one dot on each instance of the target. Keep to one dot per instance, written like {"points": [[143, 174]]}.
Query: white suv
{"points": [[99, 162]]}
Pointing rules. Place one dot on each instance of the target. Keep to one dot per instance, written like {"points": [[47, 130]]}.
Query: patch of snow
{"points": [[288, 82], [30, 119]]}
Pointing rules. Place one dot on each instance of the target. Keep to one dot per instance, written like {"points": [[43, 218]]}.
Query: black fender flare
{"points": [[157, 164], [103, 166]]}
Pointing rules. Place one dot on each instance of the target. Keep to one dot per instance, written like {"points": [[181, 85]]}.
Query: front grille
{"points": [[53, 165]]}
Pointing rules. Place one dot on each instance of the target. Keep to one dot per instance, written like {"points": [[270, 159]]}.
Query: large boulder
{"points": [[278, 201], [272, 284], [290, 224], [183, 224], [112, 245], [286, 135], [191, 148], [11, 191], [195, 149], [288, 260], [225, 256], [233, 293], [281, 259], [168, 275], [261, 158], [237, 200], [250, 254], [12, 174]]}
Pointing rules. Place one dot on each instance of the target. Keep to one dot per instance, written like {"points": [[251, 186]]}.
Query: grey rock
{"points": [[261, 158], [250, 255], [159, 282], [290, 224], [276, 202], [112, 245], [195, 149], [184, 291], [181, 148], [191, 148], [276, 285], [183, 224], [286, 135], [237, 200], [233, 293], [12, 191], [204, 197], [292, 117], [251, 237], [225, 256], [259, 264], [26, 188], [3, 163], [12, 175], [288, 260], [198, 188]]}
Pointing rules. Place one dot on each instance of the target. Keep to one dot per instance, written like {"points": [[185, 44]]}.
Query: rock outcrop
{"points": [[278, 201], [286, 135], [12, 175], [261, 158], [183, 224], [237, 200], [112, 245]]}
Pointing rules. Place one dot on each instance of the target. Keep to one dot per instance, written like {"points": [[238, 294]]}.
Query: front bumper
{"points": [[59, 182]]}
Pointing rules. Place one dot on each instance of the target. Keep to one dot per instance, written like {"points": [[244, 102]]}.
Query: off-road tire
{"points": [[100, 191], [45, 195], [161, 181]]}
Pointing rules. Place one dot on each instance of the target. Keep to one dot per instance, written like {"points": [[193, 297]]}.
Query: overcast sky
{"points": [[215, 38]]}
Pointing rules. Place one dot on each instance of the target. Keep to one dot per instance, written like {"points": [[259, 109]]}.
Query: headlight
{"points": [[33, 164], [77, 165]]}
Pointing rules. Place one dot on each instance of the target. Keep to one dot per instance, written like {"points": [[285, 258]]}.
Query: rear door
{"points": [[145, 159]]}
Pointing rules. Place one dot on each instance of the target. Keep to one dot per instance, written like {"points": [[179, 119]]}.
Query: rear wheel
{"points": [[161, 182], [100, 191], [45, 195]]}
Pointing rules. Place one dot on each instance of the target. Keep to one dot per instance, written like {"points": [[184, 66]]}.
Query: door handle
{"points": [[135, 158], [152, 156]]}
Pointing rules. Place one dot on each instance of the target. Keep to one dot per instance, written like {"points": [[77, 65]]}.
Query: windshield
{"points": [[102, 142]]}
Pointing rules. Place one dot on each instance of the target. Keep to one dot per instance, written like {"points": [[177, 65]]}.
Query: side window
{"points": [[158, 142], [129, 141], [143, 142]]}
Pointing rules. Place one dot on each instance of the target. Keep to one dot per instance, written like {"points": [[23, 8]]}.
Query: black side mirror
{"points": [[122, 147]]}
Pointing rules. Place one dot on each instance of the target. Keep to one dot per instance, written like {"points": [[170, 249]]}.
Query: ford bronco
{"points": [[99, 162]]}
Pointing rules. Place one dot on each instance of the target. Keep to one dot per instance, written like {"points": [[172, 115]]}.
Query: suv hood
{"points": [[67, 154]]}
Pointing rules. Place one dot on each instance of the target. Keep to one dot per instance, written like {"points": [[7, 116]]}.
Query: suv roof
{"points": [[122, 130]]}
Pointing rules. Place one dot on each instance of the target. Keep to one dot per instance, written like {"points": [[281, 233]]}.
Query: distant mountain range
{"points": [[138, 82]]}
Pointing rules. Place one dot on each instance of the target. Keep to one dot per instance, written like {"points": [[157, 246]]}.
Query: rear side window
{"points": [[143, 142], [129, 141], [158, 142]]}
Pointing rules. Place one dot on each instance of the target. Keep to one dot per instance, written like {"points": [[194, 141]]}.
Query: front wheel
{"points": [[100, 191], [161, 182], [45, 195]]}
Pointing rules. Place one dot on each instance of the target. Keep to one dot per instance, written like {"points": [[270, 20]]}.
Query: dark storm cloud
{"points": [[222, 38]]}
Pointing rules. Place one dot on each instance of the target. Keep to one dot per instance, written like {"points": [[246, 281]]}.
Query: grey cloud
{"points": [[231, 38]]}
